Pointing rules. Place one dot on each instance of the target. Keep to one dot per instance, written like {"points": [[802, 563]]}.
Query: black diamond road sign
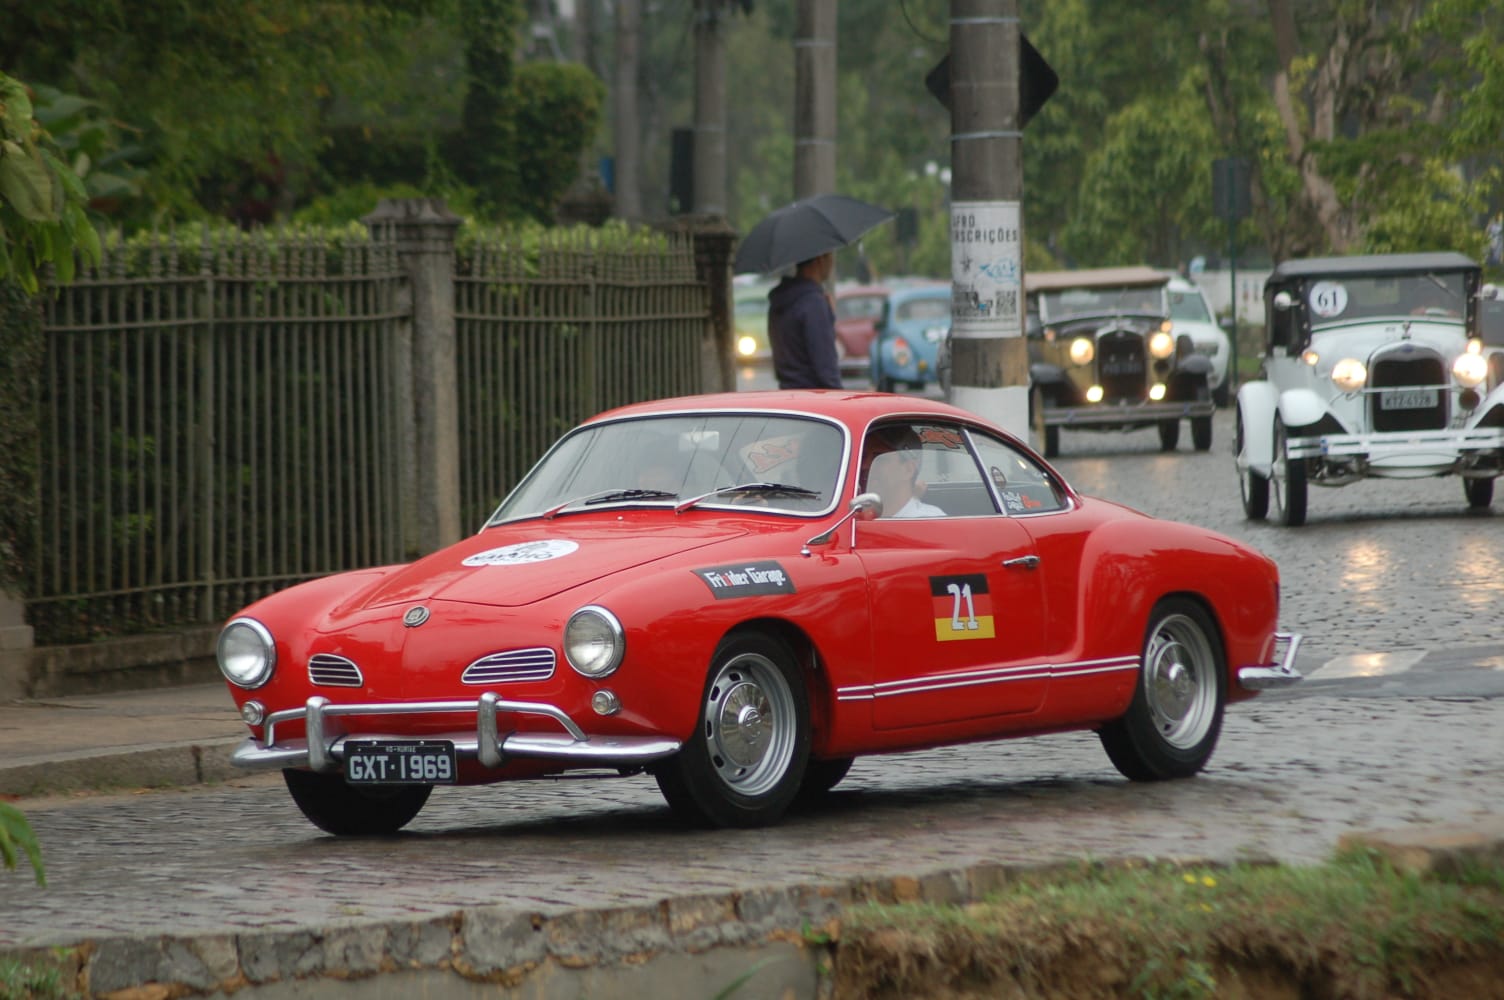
{"points": [[1036, 81]]}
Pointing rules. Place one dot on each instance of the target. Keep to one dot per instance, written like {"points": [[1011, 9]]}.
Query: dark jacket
{"points": [[802, 335]]}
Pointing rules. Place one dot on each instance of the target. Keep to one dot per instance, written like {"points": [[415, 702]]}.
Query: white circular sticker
{"points": [[524, 552], [1328, 299]]}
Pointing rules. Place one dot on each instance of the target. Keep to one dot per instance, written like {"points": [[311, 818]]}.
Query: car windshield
{"points": [[859, 307], [1188, 306], [664, 460], [1344, 298], [1055, 306], [931, 308]]}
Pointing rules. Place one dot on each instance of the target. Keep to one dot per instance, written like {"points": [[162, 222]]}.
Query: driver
{"points": [[891, 469]]}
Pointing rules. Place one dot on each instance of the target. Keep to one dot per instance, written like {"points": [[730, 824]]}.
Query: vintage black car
{"points": [[1104, 354]]}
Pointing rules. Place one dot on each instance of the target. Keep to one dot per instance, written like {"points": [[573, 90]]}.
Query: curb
{"points": [[166, 766]]}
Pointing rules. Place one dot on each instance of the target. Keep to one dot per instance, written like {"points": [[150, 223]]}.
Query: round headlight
{"points": [[1349, 374], [1083, 350], [1470, 369], [246, 653], [1161, 344], [593, 641], [746, 346]]}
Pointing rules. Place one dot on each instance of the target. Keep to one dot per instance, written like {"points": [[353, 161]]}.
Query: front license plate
{"points": [[399, 762], [1409, 399]]}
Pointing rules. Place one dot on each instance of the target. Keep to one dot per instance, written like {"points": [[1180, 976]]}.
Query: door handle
{"points": [[1027, 562]]}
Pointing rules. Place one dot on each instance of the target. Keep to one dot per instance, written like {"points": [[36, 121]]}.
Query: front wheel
{"points": [[1201, 433], [1479, 492], [1049, 434], [1172, 724], [745, 762], [1169, 434], [1254, 487], [345, 810], [1289, 480]]}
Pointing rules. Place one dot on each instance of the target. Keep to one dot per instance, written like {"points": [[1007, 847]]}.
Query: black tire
{"points": [[338, 807], [1220, 395], [820, 776], [1254, 487], [1201, 433], [1172, 724], [1169, 434], [1479, 492], [1049, 436], [1289, 481], [885, 384], [744, 765]]}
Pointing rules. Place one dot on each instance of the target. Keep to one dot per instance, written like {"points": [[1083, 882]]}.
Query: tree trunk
{"points": [[627, 151]]}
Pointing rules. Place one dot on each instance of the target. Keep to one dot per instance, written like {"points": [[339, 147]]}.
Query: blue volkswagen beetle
{"points": [[909, 333]]}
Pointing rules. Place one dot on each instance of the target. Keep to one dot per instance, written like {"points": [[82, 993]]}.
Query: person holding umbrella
{"points": [[801, 316]]}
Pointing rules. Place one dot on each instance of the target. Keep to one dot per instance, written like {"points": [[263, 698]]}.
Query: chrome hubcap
{"points": [[749, 724], [1180, 688]]}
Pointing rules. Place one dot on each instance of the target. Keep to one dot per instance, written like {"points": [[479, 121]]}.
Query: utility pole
{"points": [[815, 99], [628, 195], [710, 107], [989, 357]]}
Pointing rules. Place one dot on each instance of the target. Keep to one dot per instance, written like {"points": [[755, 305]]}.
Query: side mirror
{"points": [[864, 507], [1283, 301]]}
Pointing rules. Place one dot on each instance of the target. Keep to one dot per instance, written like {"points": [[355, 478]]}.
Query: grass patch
{"points": [[27, 982], [1354, 927]]}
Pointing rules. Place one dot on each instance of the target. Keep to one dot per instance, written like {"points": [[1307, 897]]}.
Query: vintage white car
{"points": [[1192, 314], [1373, 368]]}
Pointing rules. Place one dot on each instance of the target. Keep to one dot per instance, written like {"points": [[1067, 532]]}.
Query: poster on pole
{"points": [[986, 261]]}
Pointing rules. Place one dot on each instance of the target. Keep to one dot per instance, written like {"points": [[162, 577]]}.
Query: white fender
{"points": [[1298, 407], [1256, 406]]}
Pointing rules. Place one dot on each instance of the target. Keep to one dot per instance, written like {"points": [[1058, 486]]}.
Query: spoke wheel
{"points": [[747, 758], [1289, 480], [1479, 492], [335, 806], [1254, 487], [1172, 724]]}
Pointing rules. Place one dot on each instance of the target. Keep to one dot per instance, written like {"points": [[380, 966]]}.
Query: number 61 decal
{"points": [[962, 608]]}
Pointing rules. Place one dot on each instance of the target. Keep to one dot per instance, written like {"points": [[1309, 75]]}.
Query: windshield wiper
{"points": [[766, 489], [610, 496]]}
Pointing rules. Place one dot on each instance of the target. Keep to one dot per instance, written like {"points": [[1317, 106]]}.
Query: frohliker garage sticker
{"points": [[746, 580]]}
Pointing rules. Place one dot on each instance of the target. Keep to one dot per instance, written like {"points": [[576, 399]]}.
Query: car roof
{"points": [[855, 409], [1388, 263], [1094, 277], [852, 291], [934, 291]]}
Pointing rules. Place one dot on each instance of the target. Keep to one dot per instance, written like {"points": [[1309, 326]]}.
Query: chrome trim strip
{"points": [[323, 750], [991, 675], [1270, 677]]}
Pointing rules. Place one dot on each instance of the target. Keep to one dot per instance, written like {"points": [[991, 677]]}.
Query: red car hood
{"points": [[518, 564]]}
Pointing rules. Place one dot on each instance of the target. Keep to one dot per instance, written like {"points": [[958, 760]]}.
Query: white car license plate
{"points": [[400, 762], [1408, 399]]}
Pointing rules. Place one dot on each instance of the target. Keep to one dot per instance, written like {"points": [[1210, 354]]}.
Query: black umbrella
{"points": [[804, 230]]}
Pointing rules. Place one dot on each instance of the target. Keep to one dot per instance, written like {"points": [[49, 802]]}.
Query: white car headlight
{"points": [[1161, 344], [246, 653], [1349, 374], [1083, 349], [746, 346], [1470, 369], [593, 641]]}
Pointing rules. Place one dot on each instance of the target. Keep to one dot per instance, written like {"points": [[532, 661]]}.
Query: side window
{"points": [[922, 470], [1022, 485]]}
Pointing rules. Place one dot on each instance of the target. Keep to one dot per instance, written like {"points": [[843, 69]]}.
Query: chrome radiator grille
{"points": [[512, 665], [333, 671]]}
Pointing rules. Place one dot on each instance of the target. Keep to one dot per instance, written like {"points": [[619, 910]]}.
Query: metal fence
{"points": [[216, 421]]}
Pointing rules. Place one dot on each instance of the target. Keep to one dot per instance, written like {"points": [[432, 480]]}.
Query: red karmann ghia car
{"points": [[704, 589]]}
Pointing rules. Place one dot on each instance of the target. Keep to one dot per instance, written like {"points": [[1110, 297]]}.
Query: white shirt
{"points": [[917, 508]]}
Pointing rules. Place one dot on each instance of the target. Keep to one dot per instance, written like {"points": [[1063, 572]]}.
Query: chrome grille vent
{"points": [[1414, 368], [333, 671], [1122, 367], [513, 665]]}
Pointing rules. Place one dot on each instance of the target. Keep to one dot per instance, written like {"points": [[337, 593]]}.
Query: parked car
{"points": [[1374, 367], [750, 318], [710, 590], [1192, 314], [858, 308], [906, 347], [1104, 355]]}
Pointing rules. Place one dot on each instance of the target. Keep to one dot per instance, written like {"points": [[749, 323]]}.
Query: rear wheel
{"points": [[744, 764], [1479, 492], [1169, 434], [1289, 480], [338, 807], [1254, 487], [1049, 436], [1201, 433], [1172, 724]]}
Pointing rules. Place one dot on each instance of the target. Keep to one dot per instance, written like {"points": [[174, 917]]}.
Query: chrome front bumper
{"points": [[1115, 414], [1282, 674], [323, 748], [1438, 446]]}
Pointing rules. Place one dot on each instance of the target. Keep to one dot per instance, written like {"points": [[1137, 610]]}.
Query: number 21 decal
{"points": [[961, 607]]}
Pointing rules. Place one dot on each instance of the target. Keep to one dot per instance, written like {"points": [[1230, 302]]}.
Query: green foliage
{"points": [[16, 835], [21, 354], [42, 214], [489, 131], [558, 109]]}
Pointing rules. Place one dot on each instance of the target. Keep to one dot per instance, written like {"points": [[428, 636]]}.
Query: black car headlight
{"points": [[246, 653], [593, 642]]}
